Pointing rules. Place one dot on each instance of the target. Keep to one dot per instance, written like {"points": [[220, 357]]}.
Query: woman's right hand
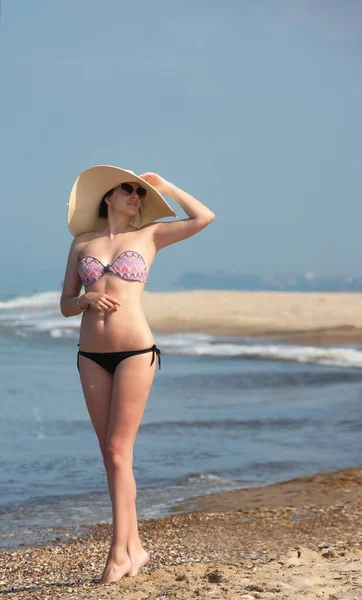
{"points": [[101, 302]]}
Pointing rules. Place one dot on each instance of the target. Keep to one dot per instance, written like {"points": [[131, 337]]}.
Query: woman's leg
{"points": [[97, 389], [97, 386], [132, 382]]}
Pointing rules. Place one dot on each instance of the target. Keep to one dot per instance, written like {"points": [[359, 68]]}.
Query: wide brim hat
{"points": [[89, 189]]}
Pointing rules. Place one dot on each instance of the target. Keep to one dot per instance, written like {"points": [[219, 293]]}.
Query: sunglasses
{"points": [[129, 188]]}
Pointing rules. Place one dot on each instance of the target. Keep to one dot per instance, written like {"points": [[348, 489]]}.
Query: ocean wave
{"points": [[207, 345], [38, 316], [36, 301]]}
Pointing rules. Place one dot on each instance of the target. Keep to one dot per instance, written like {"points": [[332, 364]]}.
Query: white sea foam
{"points": [[193, 344], [43, 299], [23, 316]]}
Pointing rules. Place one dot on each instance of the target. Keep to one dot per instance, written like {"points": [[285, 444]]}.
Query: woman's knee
{"points": [[119, 457], [114, 460]]}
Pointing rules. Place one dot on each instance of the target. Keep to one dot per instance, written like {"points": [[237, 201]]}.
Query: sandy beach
{"points": [[300, 539], [292, 317]]}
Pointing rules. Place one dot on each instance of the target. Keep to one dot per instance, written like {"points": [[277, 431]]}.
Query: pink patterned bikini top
{"points": [[128, 265]]}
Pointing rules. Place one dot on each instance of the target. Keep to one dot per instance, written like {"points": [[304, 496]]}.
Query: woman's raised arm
{"points": [[199, 215]]}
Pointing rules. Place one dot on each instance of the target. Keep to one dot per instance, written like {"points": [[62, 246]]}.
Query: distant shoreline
{"points": [[287, 317]]}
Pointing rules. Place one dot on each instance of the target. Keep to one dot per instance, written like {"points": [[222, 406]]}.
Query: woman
{"points": [[117, 357]]}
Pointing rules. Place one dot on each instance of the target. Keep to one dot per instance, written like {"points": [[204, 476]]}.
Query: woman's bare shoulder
{"points": [[85, 237], [79, 241]]}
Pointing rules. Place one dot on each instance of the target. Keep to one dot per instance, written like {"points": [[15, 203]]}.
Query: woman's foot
{"points": [[116, 568], [138, 557]]}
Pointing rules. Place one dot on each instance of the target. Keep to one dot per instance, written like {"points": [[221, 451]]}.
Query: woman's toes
{"points": [[114, 572]]}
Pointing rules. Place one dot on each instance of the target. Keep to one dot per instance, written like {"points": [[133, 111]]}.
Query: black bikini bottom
{"points": [[110, 360]]}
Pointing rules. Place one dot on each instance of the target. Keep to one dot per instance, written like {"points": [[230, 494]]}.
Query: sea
{"points": [[223, 413]]}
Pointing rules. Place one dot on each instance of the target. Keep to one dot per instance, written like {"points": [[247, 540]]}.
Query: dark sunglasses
{"points": [[129, 188]]}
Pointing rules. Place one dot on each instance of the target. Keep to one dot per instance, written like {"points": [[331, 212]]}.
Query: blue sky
{"points": [[254, 107]]}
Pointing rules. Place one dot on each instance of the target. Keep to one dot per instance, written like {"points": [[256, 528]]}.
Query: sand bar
{"points": [[296, 540], [295, 317]]}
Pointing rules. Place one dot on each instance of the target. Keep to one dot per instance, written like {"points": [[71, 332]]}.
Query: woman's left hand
{"points": [[156, 181]]}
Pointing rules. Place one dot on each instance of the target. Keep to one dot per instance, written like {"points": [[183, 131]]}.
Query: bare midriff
{"points": [[114, 331]]}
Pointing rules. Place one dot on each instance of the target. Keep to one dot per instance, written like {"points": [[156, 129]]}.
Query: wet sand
{"points": [[292, 317], [298, 539]]}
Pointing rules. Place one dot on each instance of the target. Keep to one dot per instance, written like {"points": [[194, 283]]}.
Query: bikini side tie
{"points": [[157, 351]]}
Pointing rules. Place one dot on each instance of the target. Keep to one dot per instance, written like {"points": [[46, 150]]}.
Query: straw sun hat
{"points": [[89, 189]]}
